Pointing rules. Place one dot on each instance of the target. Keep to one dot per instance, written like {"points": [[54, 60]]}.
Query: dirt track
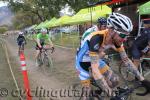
{"points": [[61, 77]]}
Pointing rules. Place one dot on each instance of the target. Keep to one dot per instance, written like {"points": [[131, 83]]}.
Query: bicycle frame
{"points": [[43, 54]]}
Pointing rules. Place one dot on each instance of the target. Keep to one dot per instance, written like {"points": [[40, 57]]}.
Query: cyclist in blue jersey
{"points": [[93, 48]]}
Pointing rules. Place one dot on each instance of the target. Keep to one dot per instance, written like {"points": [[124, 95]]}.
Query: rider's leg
{"points": [[136, 62], [19, 47], [85, 82], [136, 54], [37, 54]]}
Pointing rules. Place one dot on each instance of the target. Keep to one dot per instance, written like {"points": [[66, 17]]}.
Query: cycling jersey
{"points": [[87, 32], [140, 43], [90, 47], [43, 38], [20, 40]]}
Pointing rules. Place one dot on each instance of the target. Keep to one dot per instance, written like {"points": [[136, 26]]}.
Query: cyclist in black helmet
{"points": [[101, 25]]}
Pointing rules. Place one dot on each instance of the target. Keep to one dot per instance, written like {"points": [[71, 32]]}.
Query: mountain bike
{"points": [[144, 69], [45, 60], [123, 92], [119, 93]]}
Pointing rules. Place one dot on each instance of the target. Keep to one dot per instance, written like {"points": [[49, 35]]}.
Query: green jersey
{"points": [[43, 38]]}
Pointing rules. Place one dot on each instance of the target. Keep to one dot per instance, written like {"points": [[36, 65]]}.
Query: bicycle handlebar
{"points": [[45, 49]]}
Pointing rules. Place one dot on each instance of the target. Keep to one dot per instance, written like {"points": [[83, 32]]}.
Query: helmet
{"points": [[102, 21], [44, 30], [119, 22], [20, 33]]}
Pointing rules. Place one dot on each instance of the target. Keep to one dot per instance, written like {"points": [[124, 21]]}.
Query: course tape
{"points": [[10, 67]]}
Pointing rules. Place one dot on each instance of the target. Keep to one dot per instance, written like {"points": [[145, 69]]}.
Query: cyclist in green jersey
{"points": [[43, 41]]}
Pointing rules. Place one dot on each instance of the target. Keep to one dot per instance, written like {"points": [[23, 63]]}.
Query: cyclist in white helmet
{"points": [[43, 40], [92, 50], [21, 41]]}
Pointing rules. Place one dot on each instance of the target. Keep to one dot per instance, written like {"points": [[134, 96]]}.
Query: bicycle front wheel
{"points": [[48, 62], [145, 65], [126, 74], [39, 61]]}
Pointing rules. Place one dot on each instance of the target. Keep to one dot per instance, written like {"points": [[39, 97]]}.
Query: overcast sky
{"points": [[3, 4]]}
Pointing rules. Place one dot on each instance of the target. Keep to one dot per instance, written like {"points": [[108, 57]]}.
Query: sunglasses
{"points": [[103, 25], [121, 34]]}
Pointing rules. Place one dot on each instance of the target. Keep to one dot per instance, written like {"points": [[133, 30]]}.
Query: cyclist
{"points": [[21, 41], [43, 41], [141, 45], [101, 25], [93, 49]]}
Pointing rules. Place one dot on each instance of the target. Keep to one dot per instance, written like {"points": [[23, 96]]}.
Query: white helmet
{"points": [[119, 21], [44, 30], [20, 33]]}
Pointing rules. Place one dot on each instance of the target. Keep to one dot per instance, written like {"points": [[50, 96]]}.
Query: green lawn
{"points": [[67, 40]]}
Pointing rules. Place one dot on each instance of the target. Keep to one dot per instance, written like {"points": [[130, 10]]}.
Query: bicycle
{"points": [[144, 69], [119, 93], [44, 59]]}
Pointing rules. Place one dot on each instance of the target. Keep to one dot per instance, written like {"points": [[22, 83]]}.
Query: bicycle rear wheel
{"points": [[47, 65], [48, 62]]}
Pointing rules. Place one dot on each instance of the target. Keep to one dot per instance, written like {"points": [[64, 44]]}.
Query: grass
{"points": [[6, 80], [67, 40]]}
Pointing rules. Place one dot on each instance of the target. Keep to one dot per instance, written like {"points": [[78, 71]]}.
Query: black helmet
{"points": [[102, 21]]}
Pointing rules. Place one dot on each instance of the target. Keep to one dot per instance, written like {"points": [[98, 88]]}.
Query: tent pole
{"points": [[140, 25], [91, 15]]}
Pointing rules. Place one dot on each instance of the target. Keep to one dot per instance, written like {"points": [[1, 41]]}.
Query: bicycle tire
{"points": [[39, 61], [48, 62], [125, 73], [145, 65]]}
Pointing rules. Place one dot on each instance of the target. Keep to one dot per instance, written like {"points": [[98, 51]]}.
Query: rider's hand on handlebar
{"points": [[40, 47], [104, 86]]}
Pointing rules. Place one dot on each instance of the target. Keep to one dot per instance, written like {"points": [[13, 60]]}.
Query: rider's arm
{"points": [[94, 55], [129, 63], [18, 38], [24, 39], [38, 41], [94, 46]]}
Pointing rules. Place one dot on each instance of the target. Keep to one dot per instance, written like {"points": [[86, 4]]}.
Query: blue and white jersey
{"points": [[88, 31]]}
